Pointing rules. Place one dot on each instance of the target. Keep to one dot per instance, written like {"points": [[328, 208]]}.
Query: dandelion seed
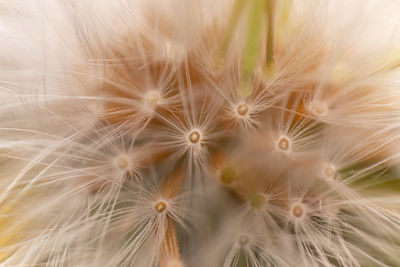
{"points": [[122, 162], [328, 172], [243, 114], [243, 240], [160, 206], [194, 136], [242, 109], [228, 175], [257, 201], [283, 143], [152, 98], [293, 134], [297, 210], [318, 108]]}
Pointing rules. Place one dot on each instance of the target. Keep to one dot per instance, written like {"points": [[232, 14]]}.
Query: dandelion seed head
{"points": [[162, 83]]}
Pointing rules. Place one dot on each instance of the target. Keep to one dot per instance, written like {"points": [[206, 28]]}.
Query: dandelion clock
{"points": [[170, 133]]}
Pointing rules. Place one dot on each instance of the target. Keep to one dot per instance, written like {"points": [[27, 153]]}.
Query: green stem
{"points": [[251, 50], [269, 58], [237, 11]]}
